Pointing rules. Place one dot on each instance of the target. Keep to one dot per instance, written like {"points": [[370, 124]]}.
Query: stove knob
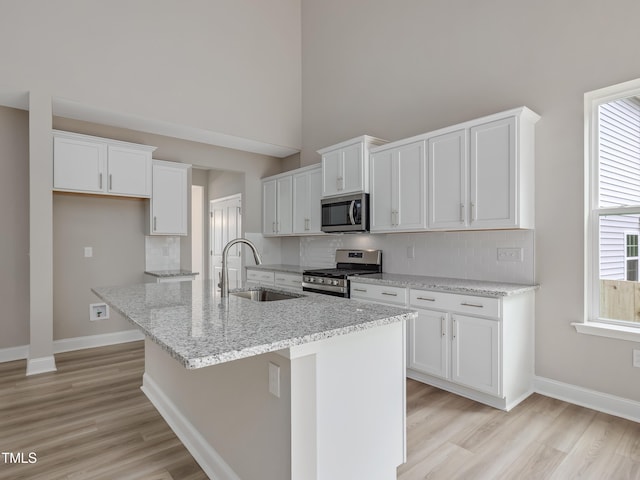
{"points": [[312, 279], [335, 282]]}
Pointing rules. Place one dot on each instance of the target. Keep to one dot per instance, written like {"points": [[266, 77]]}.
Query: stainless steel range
{"points": [[333, 281]]}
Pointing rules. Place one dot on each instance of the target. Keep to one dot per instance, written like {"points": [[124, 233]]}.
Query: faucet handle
{"points": [[220, 280]]}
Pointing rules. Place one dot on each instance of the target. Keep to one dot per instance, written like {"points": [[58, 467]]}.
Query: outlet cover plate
{"points": [[510, 254]]}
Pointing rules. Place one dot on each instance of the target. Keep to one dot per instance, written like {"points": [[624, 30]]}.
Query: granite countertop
{"points": [[170, 273], [191, 323], [443, 284], [279, 268]]}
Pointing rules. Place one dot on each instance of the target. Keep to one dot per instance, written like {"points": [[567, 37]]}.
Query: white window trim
{"points": [[591, 324]]}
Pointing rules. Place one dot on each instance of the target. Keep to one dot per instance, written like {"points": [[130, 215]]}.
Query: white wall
{"points": [[395, 69], [229, 66]]}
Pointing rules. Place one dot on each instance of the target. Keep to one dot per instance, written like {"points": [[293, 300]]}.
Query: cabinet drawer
{"points": [[468, 304], [288, 279], [260, 276], [379, 293]]}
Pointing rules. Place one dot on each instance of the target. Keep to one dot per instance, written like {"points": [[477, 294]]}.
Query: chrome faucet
{"points": [[224, 281]]}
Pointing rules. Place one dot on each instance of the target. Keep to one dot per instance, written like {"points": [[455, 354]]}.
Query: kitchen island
{"points": [[311, 387]]}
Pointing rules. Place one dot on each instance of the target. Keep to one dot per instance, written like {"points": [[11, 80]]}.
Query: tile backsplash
{"points": [[162, 253], [469, 255]]}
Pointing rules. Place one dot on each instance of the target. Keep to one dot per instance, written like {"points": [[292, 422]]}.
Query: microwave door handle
{"points": [[351, 208]]}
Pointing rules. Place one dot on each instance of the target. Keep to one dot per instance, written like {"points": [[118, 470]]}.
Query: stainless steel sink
{"points": [[265, 295]]}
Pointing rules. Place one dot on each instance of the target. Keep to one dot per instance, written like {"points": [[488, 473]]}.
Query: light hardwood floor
{"points": [[89, 420]]}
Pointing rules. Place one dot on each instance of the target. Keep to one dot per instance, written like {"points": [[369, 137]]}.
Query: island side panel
{"points": [[230, 406], [359, 407]]}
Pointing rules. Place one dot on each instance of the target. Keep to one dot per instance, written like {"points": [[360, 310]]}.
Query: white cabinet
{"points": [[475, 353], [448, 197], [307, 190], [481, 173], [277, 207], [167, 211], [82, 163], [260, 276], [345, 166], [398, 188], [477, 347]]}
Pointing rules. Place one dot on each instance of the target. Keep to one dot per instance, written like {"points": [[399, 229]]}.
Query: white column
{"points": [[40, 234]]}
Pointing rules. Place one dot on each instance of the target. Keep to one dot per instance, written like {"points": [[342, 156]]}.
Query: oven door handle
{"points": [[351, 208]]}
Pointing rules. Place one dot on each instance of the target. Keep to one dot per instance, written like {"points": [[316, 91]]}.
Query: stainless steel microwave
{"points": [[346, 214]]}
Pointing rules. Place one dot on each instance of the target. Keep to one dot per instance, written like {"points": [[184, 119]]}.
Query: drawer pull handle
{"points": [[426, 299], [472, 305], [360, 290], [390, 294]]}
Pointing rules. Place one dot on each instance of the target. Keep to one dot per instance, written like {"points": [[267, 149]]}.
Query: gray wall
{"points": [[395, 69], [14, 234], [229, 66], [114, 227]]}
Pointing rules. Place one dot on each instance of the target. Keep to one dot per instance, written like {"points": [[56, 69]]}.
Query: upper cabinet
{"points": [[345, 166], [277, 206], [481, 173], [82, 163], [307, 191], [398, 187], [168, 207], [291, 202]]}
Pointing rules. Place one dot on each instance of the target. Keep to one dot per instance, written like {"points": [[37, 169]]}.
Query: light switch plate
{"points": [[636, 358], [88, 252], [274, 379]]}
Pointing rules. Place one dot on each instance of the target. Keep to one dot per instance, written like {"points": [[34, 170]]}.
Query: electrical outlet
{"points": [[510, 254], [98, 311], [274, 379], [411, 251], [636, 358], [88, 252]]}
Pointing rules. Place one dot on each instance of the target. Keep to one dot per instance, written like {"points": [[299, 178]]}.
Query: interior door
{"points": [[226, 225]]}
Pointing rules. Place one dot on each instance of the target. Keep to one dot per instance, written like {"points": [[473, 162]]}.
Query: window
{"points": [[631, 261], [612, 203]]}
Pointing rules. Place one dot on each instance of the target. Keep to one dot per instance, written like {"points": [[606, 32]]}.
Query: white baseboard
{"points": [[14, 353], [70, 344], [206, 456], [602, 402], [92, 341], [41, 365]]}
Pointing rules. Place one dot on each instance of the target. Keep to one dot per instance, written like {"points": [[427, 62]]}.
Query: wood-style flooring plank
{"points": [[90, 421]]}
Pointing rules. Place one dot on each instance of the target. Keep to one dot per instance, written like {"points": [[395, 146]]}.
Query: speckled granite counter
{"points": [[443, 284], [194, 327], [278, 268], [170, 273]]}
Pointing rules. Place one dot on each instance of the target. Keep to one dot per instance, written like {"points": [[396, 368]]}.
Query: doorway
{"points": [[225, 225]]}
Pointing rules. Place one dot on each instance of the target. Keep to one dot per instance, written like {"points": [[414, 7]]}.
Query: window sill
{"points": [[619, 332]]}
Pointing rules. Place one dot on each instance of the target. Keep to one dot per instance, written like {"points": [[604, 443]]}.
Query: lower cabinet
{"points": [[273, 278], [477, 347]]}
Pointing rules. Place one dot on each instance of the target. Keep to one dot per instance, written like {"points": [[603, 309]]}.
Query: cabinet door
{"points": [[129, 171], [79, 165], [428, 350], [410, 182], [475, 359], [315, 194], [353, 158], [269, 191], [170, 199], [493, 174], [301, 203], [284, 206], [447, 180], [381, 199], [332, 173]]}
